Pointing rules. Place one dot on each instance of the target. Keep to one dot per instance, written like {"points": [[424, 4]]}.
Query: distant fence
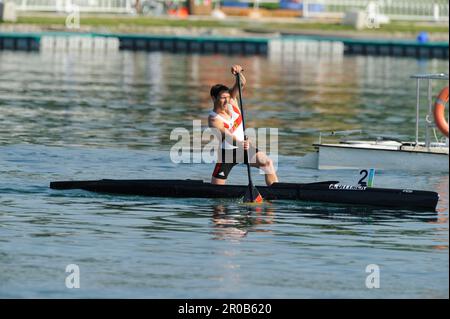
{"points": [[413, 10], [100, 6]]}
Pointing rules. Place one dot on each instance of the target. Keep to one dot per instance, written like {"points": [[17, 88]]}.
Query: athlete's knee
{"points": [[268, 163], [261, 159], [268, 167]]}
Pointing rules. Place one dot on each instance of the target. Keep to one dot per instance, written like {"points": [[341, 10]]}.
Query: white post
{"points": [[436, 12], [305, 9], [430, 112], [417, 110], [59, 6]]}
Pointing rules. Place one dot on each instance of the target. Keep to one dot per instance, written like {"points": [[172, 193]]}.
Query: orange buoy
{"points": [[439, 111]]}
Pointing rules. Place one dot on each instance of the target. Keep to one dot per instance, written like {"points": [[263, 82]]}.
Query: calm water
{"points": [[80, 116]]}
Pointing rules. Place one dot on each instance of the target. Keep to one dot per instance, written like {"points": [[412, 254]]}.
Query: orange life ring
{"points": [[439, 111]]}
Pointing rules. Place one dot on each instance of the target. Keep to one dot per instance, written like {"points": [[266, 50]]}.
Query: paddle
{"points": [[252, 194]]}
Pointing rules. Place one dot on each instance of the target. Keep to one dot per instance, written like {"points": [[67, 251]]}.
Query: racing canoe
{"points": [[328, 192]]}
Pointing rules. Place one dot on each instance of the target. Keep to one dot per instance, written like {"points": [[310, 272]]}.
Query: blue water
{"points": [[80, 116]]}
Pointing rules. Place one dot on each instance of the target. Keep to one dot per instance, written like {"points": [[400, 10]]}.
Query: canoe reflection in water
{"points": [[232, 223]]}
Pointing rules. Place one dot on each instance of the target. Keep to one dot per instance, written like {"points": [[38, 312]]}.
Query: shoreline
{"points": [[232, 26], [234, 35]]}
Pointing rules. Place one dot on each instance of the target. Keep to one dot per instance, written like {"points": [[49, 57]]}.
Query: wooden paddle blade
{"points": [[253, 197]]}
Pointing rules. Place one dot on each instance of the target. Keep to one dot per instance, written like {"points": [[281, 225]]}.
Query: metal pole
{"points": [[417, 110], [430, 105]]}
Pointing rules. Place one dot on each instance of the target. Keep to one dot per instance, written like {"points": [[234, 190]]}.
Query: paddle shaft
{"points": [[250, 182]]}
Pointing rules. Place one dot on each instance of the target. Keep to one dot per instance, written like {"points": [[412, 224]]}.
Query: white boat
{"points": [[389, 154]]}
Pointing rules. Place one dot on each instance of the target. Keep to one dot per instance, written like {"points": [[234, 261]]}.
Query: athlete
{"points": [[226, 117]]}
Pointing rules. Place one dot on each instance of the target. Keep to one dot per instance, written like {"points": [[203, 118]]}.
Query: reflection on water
{"points": [[233, 224], [442, 211], [134, 100]]}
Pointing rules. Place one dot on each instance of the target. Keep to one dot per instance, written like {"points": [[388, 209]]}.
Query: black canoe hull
{"points": [[329, 192]]}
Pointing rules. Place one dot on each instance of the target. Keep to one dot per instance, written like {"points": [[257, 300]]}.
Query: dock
{"points": [[221, 45]]}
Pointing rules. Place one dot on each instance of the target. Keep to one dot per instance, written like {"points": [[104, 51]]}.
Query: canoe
{"points": [[327, 192]]}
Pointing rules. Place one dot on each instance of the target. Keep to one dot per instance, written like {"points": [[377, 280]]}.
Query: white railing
{"points": [[414, 10], [101, 6]]}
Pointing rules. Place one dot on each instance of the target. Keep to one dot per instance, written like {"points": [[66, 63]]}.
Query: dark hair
{"points": [[216, 89]]}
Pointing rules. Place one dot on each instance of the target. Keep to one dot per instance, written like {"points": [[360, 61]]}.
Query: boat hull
{"points": [[337, 156], [329, 192]]}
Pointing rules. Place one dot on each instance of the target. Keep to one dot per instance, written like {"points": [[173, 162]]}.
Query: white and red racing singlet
{"points": [[234, 124]]}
